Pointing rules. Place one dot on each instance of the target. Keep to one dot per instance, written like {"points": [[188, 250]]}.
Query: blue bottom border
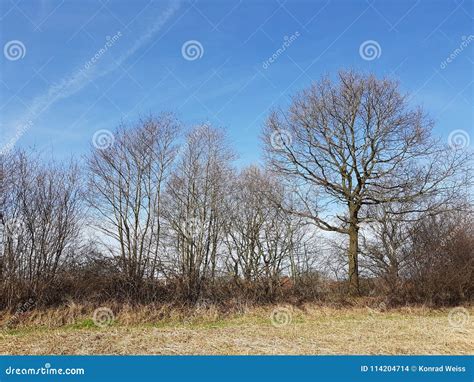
{"points": [[237, 368]]}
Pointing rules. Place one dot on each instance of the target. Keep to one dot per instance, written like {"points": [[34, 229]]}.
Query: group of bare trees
{"points": [[39, 223], [174, 208], [164, 206], [125, 190], [196, 213], [433, 252]]}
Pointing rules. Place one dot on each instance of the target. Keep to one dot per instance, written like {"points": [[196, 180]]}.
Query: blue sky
{"points": [[49, 85]]}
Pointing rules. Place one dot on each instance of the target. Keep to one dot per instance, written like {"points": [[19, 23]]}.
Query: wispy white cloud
{"points": [[144, 38], [80, 78]]}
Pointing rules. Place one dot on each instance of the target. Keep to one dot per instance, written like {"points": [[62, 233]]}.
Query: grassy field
{"points": [[271, 330]]}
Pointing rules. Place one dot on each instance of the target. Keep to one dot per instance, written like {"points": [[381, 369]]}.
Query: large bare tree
{"points": [[356, 142]]}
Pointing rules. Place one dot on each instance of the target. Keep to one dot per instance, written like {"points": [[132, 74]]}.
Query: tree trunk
{"points": [[353, 259]]}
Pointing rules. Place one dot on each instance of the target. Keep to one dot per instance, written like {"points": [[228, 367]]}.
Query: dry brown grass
{"points": [[312, 330]]}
